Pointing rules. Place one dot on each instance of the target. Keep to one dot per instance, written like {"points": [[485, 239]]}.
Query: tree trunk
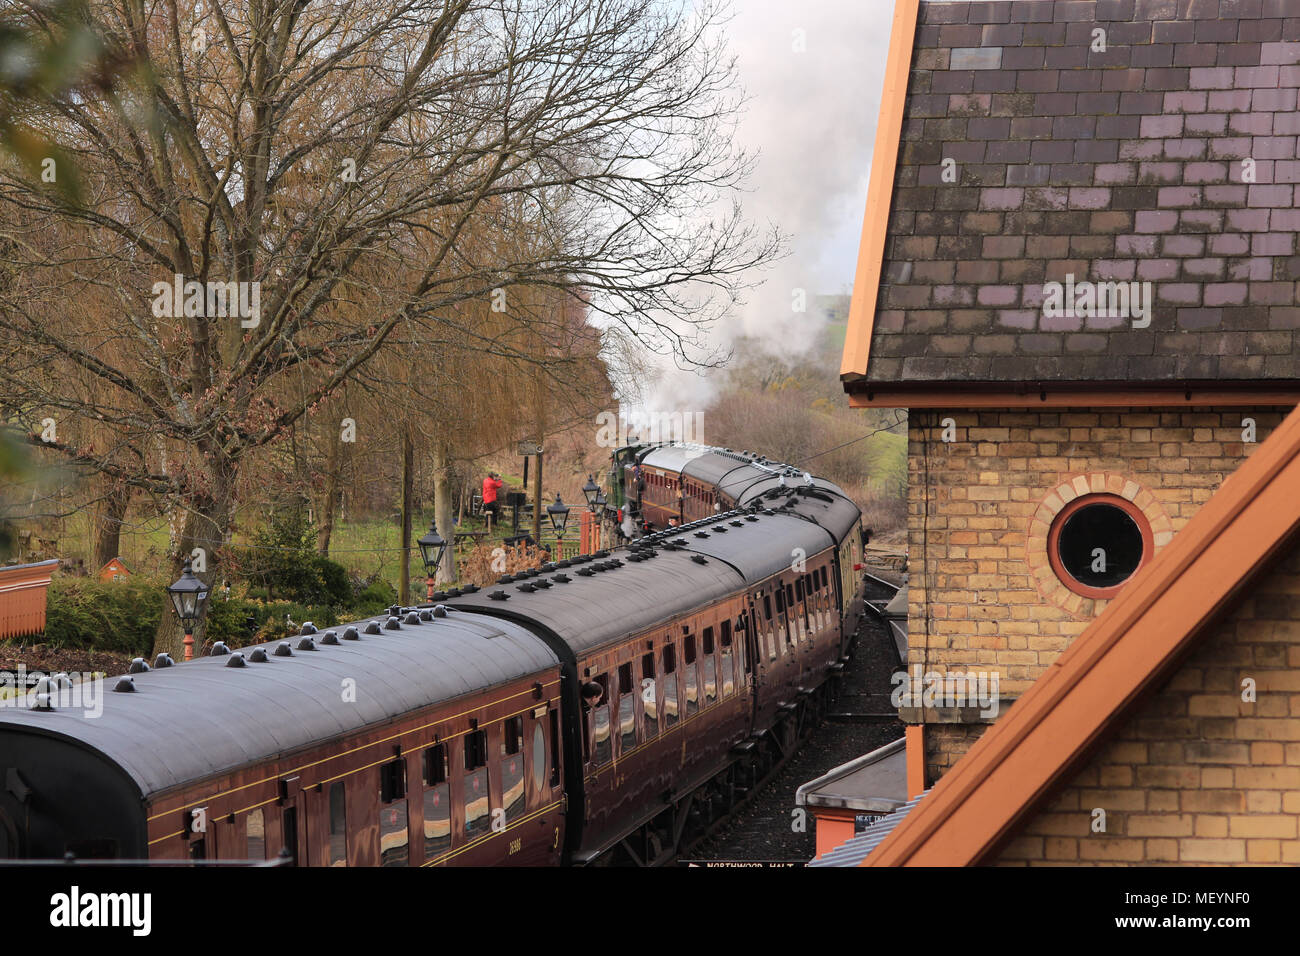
{"points": [[207, 526], [110, 512], [329, 507], [408, 481], [442, 512]]}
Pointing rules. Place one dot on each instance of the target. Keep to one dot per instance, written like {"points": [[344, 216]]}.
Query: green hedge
{"points": [[118, 616], [122, 616]]}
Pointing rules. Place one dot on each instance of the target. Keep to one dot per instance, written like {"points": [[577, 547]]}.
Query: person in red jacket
{"points": [[491, 485]]}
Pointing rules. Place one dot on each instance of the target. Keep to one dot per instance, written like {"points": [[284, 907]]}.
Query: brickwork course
{"points": [[1197, 775], [1170, 158]]}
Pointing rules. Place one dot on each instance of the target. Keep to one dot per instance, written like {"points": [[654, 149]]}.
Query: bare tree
{"points": [[340, 163]]}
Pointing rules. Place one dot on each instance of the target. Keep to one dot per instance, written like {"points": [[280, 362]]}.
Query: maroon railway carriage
{"points": [[600, 709], [420, 740]]}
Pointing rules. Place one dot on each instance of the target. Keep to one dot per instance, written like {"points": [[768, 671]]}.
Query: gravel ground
{"points": [[764, 831]]}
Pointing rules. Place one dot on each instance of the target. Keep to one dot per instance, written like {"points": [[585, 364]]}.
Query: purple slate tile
{"points": [[1248, 220], [1135, 245], [1271, 196], [1225, 293], [1192, 247], [1207, 124], [1157, 270], [1229, 245], [1180, 196], [1162, 126], [1231, 101], [1285, 54], [1225, 195]]}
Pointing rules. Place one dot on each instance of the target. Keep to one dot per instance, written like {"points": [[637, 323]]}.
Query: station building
{"points": [[1078, 273]]}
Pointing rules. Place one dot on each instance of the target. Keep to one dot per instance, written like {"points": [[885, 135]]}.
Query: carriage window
{"points": [[728, 684], [649, 698], [338, 826], [476, 784], [475, 749], [435, 764], [601, 745], [626, 709], [255, 831], [767, 607], [437, 802], [780, 599], [798, 590], [512, 735], [437, 820], [670, 685], [512, 779], [740, 644], [789, 595], [692, 681], [392, 815]]}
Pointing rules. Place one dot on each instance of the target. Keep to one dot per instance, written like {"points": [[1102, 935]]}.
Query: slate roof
{"points": [[1122, 165]]}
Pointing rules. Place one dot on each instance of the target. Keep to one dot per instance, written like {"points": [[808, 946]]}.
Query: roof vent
{"points": [[413, 618], [469, 589], [305, 644], [498, 595], [219, 649], [526, 588], [163, 660], [283, 650], [372, 627], [439, 595], [698, 559], [738, 524], [392, 624], [237, 660], [308, 628], [751, 517], [505, 579], [351, 634], [124, 685], [586, 572], [440, 611], [330, 637], [721, 529], [138, 666], [426, 615], [454, 592], [542, 583], [701, 534], [566, 563], [258, 656], [561, 579], [601, 554]]}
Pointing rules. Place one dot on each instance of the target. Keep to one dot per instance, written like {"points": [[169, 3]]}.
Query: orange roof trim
{"points": [[884, 162], [1123, 654]]}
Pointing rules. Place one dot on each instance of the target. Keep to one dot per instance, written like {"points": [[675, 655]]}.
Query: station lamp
{"points": [[190, 599], [590, 491], [559, 515], [432, 550]]}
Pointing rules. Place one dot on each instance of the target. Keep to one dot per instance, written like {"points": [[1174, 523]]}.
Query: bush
{"points": [[119, 616], [284, 563], [375, 595]]}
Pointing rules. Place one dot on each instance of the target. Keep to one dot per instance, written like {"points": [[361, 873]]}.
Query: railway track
{"points": [[763, 826]]}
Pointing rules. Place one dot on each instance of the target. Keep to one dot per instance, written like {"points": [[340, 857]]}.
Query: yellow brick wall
{"points": [[973, 601], [1196, 775]]}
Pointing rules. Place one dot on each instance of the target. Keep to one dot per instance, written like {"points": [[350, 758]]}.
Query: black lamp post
{"points": [[599, 505], [190, 599], [559, 515], [432, 550], [590, 491]]}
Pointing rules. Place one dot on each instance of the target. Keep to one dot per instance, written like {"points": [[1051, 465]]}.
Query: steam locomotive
{"points": [[601, 709]]}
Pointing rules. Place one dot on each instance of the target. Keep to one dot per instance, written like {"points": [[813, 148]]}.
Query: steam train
{"points": [[601, 709]]}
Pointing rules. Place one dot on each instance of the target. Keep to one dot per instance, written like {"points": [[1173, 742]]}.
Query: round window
{"points": [[539, 757], [1096, 544]]}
